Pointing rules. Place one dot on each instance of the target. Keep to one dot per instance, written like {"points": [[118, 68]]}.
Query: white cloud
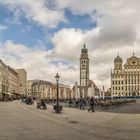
{"points": [[101, 51], [117, 26], [37, 11], [117, 31], [67, 43], [36, 62], [109, 7]]}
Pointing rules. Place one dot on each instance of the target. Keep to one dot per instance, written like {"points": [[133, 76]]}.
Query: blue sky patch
{"points": [[29, 33]]}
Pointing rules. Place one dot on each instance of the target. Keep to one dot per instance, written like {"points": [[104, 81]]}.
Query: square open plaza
{"points": [[26, 122], [69, 70]]}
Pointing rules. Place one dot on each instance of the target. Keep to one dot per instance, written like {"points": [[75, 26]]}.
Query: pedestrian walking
{"points": [[81, 102], [91, 104]]}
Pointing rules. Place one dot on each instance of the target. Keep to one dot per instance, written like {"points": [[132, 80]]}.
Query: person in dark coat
{"points": [[43, 103], [81, 102], [91, 104]]}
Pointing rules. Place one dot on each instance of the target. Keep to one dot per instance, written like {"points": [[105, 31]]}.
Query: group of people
{"points": [[91, 103], [41, 104], [81, 102], [28, 100]]}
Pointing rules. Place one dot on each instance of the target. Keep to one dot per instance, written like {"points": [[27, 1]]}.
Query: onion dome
{"points": [[84, 49], [118, 59]]}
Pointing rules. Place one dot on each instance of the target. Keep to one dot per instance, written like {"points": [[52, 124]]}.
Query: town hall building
{"points": [[125, 79]]}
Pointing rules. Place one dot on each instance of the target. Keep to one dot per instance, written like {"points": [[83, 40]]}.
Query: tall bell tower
{"points": [[84, 72]]}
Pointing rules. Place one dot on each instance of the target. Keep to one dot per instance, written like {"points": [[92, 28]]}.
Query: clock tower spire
{"points": [[84, 72]]}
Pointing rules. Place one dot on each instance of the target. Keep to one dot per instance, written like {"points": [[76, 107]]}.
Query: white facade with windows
{"points": [[47, 90], [9, 81], [125, 79]]}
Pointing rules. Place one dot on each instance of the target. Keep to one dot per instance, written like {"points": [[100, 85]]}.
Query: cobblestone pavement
{"points": [[24, 122]]}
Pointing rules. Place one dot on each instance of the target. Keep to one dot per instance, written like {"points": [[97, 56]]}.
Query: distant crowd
{"points": [[81, 103]]}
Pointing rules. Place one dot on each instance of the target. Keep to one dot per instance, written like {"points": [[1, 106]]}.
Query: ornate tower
{"points": [[84, 72], [118, 64], [117, 81]]}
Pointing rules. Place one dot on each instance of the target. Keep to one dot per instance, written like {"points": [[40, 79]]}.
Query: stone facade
{"points": [[92, 90], [3, 80], [47, 90], [10, 80], [13, 81], [125, 79], [29, 87], [22, 75]]}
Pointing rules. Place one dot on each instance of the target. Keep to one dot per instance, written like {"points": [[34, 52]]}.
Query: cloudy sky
{"points": [[46, 36]]}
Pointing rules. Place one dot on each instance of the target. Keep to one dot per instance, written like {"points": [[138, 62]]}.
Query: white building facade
{"points": [[125, 79]]}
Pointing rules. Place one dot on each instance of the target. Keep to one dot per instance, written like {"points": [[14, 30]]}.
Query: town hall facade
{"points": [[125, 79]]}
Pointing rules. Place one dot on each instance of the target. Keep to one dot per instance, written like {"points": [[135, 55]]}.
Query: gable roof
{"points": [[91, 83]]}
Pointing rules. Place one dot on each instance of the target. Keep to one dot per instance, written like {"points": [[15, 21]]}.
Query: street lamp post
{"points": [[57, 79], [57, 107]]}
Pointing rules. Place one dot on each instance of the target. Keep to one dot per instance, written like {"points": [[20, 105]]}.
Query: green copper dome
{"points": [[84, 49], [118, 58]]}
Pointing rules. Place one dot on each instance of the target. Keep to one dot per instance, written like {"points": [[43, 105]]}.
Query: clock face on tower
{"points": [[83, 65]]}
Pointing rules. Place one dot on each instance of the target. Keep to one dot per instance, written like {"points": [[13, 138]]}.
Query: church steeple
{"points": [[84, 52], [118, 59], [84, 71], [84, 49], [118, 64]]}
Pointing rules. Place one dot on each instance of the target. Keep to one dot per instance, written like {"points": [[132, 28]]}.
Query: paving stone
{"points": [[25, 122]]}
